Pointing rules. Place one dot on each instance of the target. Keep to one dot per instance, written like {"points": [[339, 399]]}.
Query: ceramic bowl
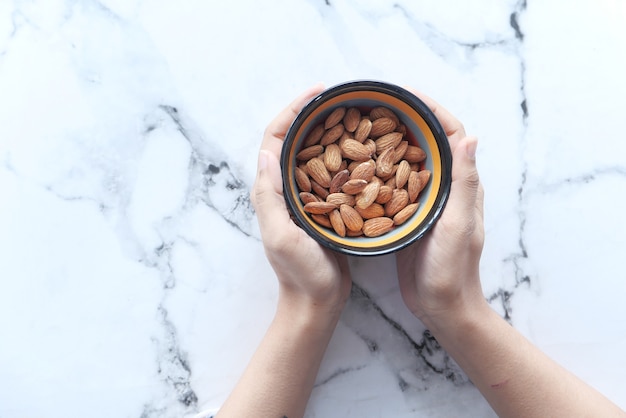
{"points": [[422, 130]]}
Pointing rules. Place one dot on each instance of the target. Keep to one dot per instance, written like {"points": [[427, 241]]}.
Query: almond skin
{"points": [[351, 218], [377, 226], [375, 210], [368, 195], [355, 151], [340, 199], [382, 126], [302, 180], [338, 181], [384, 163], [320, 191], [314, 137], [400, 151], [414, 154], [332, 134], [413, 186], [335, 117], [319, 208], [364, 171], [402, 216], [309, 152], [322, 220], [362, 131], [402, 173], [383, 112], [318, 172], [332, 157], [398, 201], [384, 195], [307, 197], [390, 140], [354, 186], [352, 119], [337, 223], [424, 176]]}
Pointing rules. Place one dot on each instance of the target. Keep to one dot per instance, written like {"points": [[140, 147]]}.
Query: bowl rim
{"points": [[441, 140]]}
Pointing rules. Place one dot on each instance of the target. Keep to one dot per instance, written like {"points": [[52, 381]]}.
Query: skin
{"points": [[439, 281]]}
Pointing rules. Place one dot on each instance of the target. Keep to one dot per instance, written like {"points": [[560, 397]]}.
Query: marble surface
{"points": [[134, 283]]}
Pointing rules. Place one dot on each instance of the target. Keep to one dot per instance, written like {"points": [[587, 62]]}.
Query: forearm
{"points": [[515, 377], [280, 376]]}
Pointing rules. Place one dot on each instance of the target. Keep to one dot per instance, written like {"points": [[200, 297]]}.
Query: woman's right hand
{"points": [[439, 275]]}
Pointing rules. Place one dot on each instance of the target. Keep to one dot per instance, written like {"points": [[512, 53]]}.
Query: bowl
{"points": [[418, 126]]}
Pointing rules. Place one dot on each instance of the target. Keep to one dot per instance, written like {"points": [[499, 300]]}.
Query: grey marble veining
{"points": [[134, 279]]}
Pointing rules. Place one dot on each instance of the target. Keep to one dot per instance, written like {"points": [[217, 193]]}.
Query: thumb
{"points": [[267, 195], [465, 182]]}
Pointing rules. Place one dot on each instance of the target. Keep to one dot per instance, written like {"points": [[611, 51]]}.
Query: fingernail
{"points": [[472, 144]]}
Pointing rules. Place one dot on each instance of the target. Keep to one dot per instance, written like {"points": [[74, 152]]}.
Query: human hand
{"points": [[308, 274], [439, 275]]}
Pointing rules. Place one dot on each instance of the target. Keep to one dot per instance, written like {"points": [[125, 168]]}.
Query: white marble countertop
{"points": [[134, 283]]}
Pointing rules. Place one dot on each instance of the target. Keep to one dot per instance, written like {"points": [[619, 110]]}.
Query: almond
{"points": [[364, 171], [307, 197], [413, 186], [314, 136], [337, 223], [332, 134], [354, 233], [332, 157], [351, 218], [319, 207], [377, 226], [302, 180], [320, 191], [383, 112], [338, 181], [357, 175], [400, 151], [340, 199], [318, 172], [391, 140], [402, 173], [398, 201], [414, 154], [309, 152], [355, 151], [363, 130], [384, 163], [402, 216], [382, 126], [351, 119], [322, 220], [335, 117], [368, 195], [354, 186], [384, 195], [424, 176], [375, 210]]}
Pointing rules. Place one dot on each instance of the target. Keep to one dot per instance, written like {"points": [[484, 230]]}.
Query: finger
{"points": [[453, 128], [267, 197], [277, 129], [460, 209]]}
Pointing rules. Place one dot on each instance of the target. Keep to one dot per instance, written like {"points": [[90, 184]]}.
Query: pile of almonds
{"points": [[358, 175]]}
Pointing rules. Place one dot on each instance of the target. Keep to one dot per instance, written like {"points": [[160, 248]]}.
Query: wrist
{"points": [[458, 318], [302, 311]]}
